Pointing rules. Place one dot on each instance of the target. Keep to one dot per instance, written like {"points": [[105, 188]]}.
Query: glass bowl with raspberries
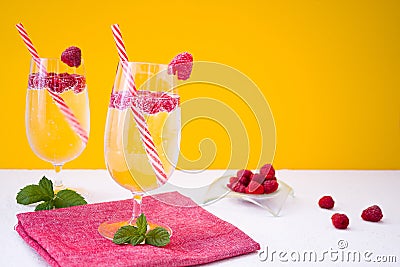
{"points": [[260, 187], [247, 182]]}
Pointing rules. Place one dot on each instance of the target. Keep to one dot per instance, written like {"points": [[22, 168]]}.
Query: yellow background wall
{"points": [[329, 69]]}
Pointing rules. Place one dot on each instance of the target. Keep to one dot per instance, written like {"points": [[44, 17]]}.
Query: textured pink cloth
{"points": [[69, 237]]}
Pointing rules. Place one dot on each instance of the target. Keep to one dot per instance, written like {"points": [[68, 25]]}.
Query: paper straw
{"points": [[145, 135], [65, 110]]}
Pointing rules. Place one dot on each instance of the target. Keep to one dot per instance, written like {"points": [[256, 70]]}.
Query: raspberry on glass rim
{"points": [[72, 56], [181, 66]]}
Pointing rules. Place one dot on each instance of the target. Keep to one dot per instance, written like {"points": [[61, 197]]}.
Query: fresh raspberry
{"points": [[259, 178], [254, 188], [72, 56], [270, 186], [244, 180], [245, 173], [245, 176], [232, 182], [268, 170], [372, 214], [268, 177], [340, 221], [326, 202], [239, 188], [181, 65]]}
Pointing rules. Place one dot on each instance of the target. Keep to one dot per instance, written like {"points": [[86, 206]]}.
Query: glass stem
{"points": [[137, 207], [57, 179]]}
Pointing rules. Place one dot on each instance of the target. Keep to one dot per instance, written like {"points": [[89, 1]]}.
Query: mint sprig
{"points": [[44, 193], [138, 234]]}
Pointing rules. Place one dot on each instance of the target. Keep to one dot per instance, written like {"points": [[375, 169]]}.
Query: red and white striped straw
{"points": [[65, 110], [145, 135]]}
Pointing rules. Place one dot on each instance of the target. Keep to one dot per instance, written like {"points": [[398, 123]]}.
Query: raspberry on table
{"points": [[326, 202], [72, 56], [340, 221], [372, 214], [270, 186]]}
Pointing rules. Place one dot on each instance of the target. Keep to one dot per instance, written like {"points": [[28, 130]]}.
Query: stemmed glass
{"points": [[55, 131], [125, 155]]}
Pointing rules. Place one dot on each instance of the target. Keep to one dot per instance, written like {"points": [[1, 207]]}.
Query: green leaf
{"points": [[31, 194], [158, 237], [68, 198], [47, 205], [47, 188], [141, 224], [125, 234], [137, 239]]}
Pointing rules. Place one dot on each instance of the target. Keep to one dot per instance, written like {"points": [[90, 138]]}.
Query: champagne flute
{"points": [[52, 134], [125, 154]]}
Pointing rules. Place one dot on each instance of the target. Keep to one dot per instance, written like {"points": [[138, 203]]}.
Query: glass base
{"points": [[108, 229]]}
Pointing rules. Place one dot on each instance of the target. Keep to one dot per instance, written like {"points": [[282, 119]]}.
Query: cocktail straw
{"points": [[145, 135]]}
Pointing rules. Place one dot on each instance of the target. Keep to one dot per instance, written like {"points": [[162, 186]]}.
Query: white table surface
{"points": [[301, 229]]}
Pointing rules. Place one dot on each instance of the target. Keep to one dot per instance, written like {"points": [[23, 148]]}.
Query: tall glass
{"points": [[125, 155], [51, 135]]}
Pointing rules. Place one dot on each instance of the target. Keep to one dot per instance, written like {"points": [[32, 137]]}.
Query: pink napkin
{"points": [[69, 237]]}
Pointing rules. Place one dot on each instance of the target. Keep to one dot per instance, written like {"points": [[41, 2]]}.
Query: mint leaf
{"points": [[31, 194], [141, 224], [125, 234], [158, 237], [48, 205], [47, 188], [137, 239], [136, 235], [44, 192], [68, 198]]}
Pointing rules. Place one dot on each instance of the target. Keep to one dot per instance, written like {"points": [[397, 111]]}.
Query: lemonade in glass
{"points": [[125, 154], [50, 134]]}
